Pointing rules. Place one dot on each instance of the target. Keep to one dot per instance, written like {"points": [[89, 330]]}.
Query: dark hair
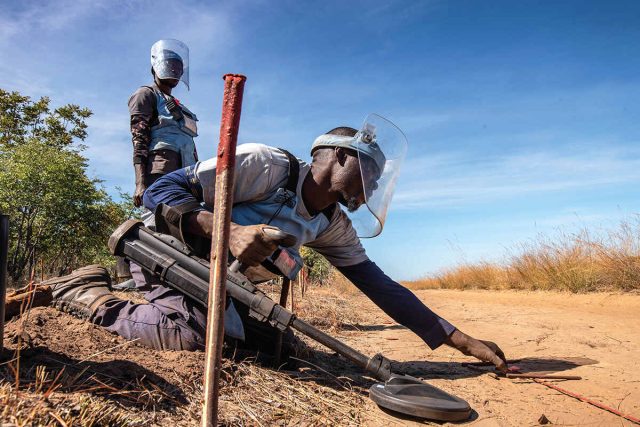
{"points": [[318, 152], [343, 131]]}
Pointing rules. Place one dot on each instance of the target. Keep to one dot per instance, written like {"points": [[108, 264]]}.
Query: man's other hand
{"points": [[486, 351], [250, 244], [137, 195]]}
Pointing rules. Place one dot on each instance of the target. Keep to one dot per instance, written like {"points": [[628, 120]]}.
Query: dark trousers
{"points": [[168, 321], [172, 321]]}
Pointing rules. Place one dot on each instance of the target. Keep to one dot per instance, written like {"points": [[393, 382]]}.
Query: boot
{"points": [[82, 292]]}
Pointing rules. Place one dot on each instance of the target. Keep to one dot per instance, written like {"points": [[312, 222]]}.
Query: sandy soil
{"points": [[594, 336]]}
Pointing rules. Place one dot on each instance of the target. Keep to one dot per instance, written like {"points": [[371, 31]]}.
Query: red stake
{"points": [[229, 125]]}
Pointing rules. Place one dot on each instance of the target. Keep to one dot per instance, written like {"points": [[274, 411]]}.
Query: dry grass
{"points": [[254, 395], [54, 387], [250, 395], [575, 262], [37, 402], [328, 308]]}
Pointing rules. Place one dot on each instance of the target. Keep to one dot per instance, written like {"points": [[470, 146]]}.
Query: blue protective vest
{"points": [[281, 207], [172, 134], [287, 218]]}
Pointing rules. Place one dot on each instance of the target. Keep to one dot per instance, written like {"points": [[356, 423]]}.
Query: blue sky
{"points": [[522, 117]]}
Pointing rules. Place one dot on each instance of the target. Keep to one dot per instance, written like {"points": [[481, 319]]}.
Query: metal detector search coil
{"points": [[411, 396]]}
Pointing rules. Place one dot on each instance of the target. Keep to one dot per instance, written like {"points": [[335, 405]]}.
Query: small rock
{"points": [[21, 336], [543, 420]]}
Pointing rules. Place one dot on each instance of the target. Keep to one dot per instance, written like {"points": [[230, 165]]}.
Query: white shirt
{"points": [[259, 172]]}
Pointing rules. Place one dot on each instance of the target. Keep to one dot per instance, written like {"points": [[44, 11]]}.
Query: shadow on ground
{"points": [[451, 370], [369, 328], [123, 381]]}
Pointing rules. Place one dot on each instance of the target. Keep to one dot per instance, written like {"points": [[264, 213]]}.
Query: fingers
{"points": [[500, 363], [494, 347], [250, 246], [256, 253], [279, 237], [486, 351], [483, 352], [495, 356]]}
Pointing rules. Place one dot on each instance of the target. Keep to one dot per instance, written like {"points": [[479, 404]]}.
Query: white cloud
{"points": [[49, 16], [459, 179]]}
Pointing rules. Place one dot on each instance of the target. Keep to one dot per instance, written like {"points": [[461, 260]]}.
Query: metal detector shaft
{"points": [[171, 261]]}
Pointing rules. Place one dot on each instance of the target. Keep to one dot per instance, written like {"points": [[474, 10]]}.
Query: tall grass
{"points": [[584, 261]]}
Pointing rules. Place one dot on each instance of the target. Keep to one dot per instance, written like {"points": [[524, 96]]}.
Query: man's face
{"points": [[169, 82], [173, 68], [352, 193], [370, 174]]}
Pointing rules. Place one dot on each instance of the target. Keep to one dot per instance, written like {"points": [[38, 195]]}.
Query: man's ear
{"points": [[341, 155]]}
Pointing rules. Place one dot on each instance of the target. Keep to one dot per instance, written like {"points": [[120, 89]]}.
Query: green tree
{"points": [[318, 267], [23, 121], [60, 218]]}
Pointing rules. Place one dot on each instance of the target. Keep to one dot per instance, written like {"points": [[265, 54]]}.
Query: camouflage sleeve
{"points": [[142, 110], [141, 137]]}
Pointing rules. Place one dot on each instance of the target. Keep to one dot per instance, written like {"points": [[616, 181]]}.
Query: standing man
{"points": [[355, 169], [162, 129]]}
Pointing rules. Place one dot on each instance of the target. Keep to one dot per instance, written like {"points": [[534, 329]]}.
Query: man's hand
{"points": [[486, 351], [251, 244], [137, 195], [140, 172]]}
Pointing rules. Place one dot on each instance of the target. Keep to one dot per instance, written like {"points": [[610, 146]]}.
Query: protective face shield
{"points": [[381, 147], [170, 60]]}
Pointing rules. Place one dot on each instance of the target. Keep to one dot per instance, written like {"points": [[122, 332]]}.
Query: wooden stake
{"points": [[226, 159]]}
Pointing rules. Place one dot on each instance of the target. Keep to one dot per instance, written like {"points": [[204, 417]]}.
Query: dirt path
{"points": [[594, 336]]}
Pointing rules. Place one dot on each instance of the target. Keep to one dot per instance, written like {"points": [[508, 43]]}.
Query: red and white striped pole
{"points": [[226, 159]]}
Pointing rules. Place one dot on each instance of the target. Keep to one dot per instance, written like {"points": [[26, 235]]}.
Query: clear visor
{"points": [[381, 148], [170, 60]]}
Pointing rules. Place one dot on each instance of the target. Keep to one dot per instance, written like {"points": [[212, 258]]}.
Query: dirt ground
{"points": [[594, 336]]}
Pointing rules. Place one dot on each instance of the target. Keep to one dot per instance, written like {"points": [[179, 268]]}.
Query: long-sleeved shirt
{"points": [[260, 171], [143, 116], [142, 106]]}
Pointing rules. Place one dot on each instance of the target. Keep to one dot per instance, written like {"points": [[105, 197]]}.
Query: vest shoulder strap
{"points": [[294, 171], [294, 176], [172, 106]]}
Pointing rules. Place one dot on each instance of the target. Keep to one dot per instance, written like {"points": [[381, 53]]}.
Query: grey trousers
{"points": [[168, 321]]}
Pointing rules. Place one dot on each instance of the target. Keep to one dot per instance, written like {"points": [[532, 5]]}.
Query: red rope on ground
{"points": [[589, 401]]}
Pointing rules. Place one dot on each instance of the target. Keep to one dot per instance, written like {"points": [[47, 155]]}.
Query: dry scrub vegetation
{"points": [[577, 262]]}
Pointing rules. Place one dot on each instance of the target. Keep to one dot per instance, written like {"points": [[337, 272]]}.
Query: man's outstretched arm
{"points": [[405, 308]]}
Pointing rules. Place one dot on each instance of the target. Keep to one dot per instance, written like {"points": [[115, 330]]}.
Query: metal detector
{"points": [[178, 268]]}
